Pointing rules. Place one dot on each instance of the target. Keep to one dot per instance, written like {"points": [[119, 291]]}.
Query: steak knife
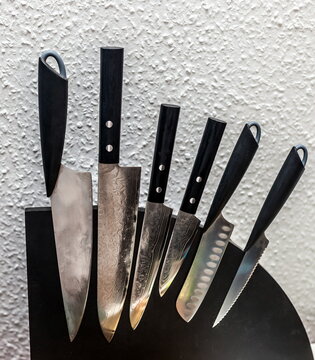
{"points": [[187, 223], [118, 197], [156, 216], [288, 176], [217, 230], [70, 193]]}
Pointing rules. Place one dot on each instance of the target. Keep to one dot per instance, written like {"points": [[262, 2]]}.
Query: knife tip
{"points": [[109, 335], [162, 290]]}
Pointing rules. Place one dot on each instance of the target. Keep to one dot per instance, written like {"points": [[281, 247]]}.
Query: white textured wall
{"points": [[236, 60]]}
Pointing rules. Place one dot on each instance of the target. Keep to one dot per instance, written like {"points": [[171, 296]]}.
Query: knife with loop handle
{"points": [[286, 180]]}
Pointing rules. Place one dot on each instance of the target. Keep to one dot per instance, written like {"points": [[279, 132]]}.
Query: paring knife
{"points": [[70, 193], [217, 230], [118, 198], [289, 175], [156, 216], [186, 222]]}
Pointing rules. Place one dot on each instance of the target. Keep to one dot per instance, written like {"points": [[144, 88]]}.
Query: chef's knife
{"points": [[70, 193], [289, 175], [156, 216], [217, 230], [118, 198], [186, 222]]}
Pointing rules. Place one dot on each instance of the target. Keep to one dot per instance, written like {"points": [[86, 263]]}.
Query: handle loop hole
{"points": [[52, 53], [305, 153], [258, 129]]}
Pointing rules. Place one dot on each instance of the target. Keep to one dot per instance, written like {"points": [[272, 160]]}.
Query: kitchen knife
{"points": [[217, 230], [118, 198], [156, 216], [186, 222], [289, 175], [70, 193]]}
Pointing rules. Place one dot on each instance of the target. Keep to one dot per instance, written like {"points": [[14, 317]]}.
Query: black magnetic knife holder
{"points": [[263, 324]]}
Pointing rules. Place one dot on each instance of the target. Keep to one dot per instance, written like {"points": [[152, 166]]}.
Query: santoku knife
{"points": [[217, 230], [289, 175], [70, 193], [186, 222], [156, 216], [118, 198]]}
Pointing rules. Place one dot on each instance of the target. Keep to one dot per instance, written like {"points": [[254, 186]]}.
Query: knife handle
{"points": [[288, 176], [52, 103], [112, 59], [163, 151], [207, 151], [242, 155]]}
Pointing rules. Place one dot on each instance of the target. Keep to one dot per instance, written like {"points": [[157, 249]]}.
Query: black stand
{"points": [[263, 325]]}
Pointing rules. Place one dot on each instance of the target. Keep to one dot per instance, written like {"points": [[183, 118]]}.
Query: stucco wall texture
{"points": [[235, 60]]}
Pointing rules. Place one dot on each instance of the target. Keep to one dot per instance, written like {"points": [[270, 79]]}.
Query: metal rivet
{"points": [[158, 189], [109, 124], [223, 236], [109, 148], [192, 200], [162, 167], [199, 179]]}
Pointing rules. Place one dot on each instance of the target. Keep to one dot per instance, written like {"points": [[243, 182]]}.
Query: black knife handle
{"points": [[242, 155], [207, 151], [112, 59], [163, 151], [52, 103], [288, 176]]}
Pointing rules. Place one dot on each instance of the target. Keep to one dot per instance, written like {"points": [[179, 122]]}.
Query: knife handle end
{"points": [[286, 180], [207, 151], [164, 145], [112, 59]]}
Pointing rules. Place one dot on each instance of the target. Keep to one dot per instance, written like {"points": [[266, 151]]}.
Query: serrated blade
{"points": [[243, 275], [184, 231], [211, 249], [117, 214], [154, 230], [71, 204]]}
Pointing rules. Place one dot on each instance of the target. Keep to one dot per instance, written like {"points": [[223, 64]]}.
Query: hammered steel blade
{"points": [[117, 214], [206, 262], [184, 232], [72, 207], [243, 275], [154, 229]]}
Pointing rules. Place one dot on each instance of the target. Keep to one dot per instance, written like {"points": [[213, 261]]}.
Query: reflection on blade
{"points": [[206, 262], [183, 234], [154, 229], [117, 213], [244, 273], [71, 204]]}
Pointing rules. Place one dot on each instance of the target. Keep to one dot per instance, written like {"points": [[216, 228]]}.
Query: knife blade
{"points": [[289, 174], [217, 230], [156, 216], [70, 193], [187, 223], [118, 198]]}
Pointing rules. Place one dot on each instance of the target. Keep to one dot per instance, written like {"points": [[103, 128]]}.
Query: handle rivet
{"points": [[158, 189], [162, 167], [198, 179], [192, 200], [109, 148], [109, 124]]}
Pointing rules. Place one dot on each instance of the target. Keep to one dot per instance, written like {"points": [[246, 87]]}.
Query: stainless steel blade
{"points": [[72, 207], [206, 262], [244, 273], [184, 231], [118, 199], [154, 229]]}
